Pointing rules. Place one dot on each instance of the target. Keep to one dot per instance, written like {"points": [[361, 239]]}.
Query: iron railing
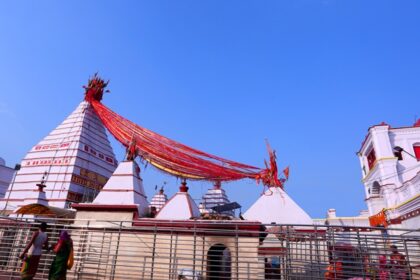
{"points": [[217, 250]]}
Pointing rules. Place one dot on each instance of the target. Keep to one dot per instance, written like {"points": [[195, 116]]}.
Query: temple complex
{"points": [[73, 174], [75, 167]]}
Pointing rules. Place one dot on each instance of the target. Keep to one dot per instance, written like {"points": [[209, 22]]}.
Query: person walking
{"points": [[64, 251], [33, 251]]}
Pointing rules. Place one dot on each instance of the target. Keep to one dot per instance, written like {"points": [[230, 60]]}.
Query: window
{"points": [[417, 151], [376, 188], [371, 158]]}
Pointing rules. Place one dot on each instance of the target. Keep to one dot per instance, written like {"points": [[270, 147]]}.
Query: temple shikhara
{"points": [[72, 180], [75, 161]]}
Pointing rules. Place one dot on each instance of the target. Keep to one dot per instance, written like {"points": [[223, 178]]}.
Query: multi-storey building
{"points": [[390, 162]]}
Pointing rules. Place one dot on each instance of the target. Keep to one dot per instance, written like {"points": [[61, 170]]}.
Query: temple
{"points": [[179, 207], [275, 207], [74, 161], [72, 179], [76, 167], [215, 196], [158, 200]]}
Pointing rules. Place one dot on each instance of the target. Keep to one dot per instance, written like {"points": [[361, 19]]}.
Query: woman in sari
{"points": [[63, 249]]}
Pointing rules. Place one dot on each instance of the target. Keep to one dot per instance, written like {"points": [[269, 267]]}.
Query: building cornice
{"points": [[374, 167], [403, 203]]}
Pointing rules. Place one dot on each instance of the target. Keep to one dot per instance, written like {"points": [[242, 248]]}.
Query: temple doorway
{"points": [[218, 262]]}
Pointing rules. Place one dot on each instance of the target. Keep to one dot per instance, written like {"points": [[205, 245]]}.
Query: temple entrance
{"points": [[218, 262]]}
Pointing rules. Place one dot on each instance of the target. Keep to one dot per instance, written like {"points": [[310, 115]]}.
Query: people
{"points": [[383, 272], [398, 264], [334, 270], [33, 251], [63, 249]]}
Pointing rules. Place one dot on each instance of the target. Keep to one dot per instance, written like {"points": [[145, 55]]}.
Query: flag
{"points": [[286, 173]]}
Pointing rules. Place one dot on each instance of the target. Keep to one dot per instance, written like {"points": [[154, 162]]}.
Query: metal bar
{"points": [[171, 272], [153, 254], [407, 255], [203, 260], [237, 251], [194, 248], [170, 249], [114, 261]]}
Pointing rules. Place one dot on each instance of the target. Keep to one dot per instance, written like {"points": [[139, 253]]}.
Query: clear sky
{"points": [[221, 76]]}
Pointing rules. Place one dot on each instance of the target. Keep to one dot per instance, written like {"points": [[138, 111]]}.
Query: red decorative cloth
{"points": [[171, 156]]}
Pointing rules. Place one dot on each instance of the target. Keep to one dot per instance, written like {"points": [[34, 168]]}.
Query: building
{"points": [[389, 159], [116, 235], [333, 220], [6, 177], [75, 161]]}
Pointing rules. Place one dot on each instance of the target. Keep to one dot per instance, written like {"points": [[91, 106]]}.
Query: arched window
{"points": [[218, 262], [376, 188]]}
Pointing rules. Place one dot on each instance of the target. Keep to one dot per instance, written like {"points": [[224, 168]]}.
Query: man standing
{"points": [[38, 241]]}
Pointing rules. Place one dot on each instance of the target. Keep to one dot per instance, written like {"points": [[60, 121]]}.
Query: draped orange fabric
{"points": [[378, 220]]}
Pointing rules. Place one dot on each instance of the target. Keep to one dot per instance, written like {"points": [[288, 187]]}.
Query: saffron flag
{"points": [[286, 173]]}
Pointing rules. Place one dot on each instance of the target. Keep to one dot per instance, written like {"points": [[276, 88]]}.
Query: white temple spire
{"points": [[275, 206], [180, 207], [125, 187]]}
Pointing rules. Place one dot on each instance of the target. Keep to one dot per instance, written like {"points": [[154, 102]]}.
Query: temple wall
{"points": [[105, 219], [144, 254], [147, 255]]}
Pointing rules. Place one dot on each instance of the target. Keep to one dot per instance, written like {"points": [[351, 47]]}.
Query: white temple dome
{"points": [[275, 206]]}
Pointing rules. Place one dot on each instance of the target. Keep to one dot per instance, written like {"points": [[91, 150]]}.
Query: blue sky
{"points": [[221, 76]]}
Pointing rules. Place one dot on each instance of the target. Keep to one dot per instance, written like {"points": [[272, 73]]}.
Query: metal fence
{"points": [[218, 250]]}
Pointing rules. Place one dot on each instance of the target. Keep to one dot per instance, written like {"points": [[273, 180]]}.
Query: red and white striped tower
{"points": [[76, 157], [215, 196], [159, 199]]}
